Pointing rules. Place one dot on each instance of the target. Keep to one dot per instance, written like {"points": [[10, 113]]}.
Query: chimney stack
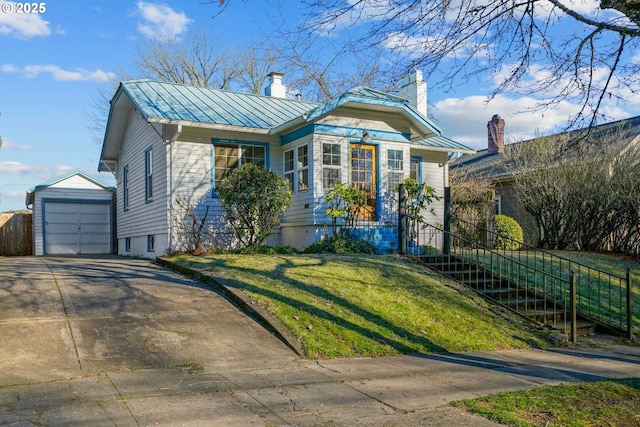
{"points": [[414, 89], [275, 87], [496, 134]]}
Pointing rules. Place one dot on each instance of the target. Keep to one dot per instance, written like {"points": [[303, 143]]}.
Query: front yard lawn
{"points": [[600, 403], [366, 305]]}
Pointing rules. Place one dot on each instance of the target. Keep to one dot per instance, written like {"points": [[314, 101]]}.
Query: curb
{"points": [[240, 300]]}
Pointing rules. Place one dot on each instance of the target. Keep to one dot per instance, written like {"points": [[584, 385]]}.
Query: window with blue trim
{"points": [[303, 167], [151, 243], [228, 157], [395, 168], [296, 168], [331, 165], [289, 168], [148, 174]]}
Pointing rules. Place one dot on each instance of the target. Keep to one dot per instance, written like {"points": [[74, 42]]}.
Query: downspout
{"points": [[170, 142]]}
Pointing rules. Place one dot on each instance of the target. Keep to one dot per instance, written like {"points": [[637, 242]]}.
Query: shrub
{"points": [[253, 199], [340, 244], [508, 233]]}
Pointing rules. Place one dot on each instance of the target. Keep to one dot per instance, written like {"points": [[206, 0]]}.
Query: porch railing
{"points": [[541, 280]]}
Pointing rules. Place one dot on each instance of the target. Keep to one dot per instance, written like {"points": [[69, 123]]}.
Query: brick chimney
{"points": [[495, 130], [275, 87]]}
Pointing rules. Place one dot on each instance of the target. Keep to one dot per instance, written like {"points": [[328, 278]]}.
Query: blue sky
{"points": [[52, 65]]}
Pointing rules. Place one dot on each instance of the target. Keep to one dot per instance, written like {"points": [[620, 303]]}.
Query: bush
{"points": [[254, 199], [508, 233], [340, 244]]}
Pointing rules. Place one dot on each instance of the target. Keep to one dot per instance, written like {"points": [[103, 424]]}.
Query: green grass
{"points": [[365, 305], [601, 403]]}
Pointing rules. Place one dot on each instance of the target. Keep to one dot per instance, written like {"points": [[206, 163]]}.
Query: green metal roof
{"points": [[168, 102], [179, 104]]}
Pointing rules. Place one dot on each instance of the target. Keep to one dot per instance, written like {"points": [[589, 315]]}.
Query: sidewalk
{"points": [[390, 391]]}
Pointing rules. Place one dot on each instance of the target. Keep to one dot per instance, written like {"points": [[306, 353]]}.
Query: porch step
{"points": [[385, 239]]}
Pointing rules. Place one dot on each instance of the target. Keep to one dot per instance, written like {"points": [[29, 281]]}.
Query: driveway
{"points": [[62, 317]]}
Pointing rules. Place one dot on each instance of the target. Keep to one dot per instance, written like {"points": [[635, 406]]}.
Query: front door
{"points": [[363, 176]]}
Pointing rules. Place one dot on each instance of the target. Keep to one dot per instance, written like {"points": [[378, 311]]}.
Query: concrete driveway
{"points": [[62, 317]]}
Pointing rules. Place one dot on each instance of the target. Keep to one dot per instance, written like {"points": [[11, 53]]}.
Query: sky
{"points": [[54, 63]]}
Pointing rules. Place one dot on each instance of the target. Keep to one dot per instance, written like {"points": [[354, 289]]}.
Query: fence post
{"points": [[446, 238], [402, 220], [574, 317], [629, 306]]}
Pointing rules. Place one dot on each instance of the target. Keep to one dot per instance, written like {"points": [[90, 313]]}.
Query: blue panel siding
{"points": [[385, 239]]}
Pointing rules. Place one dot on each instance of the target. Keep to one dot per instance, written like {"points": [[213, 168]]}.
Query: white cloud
{"points": [[160, 21], [38, 172], [465, 120], [8, 144], [22, 25], [59, 74], [12, 168]]}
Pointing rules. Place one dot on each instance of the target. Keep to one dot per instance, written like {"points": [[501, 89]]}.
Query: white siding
{"points": [[73, 189], [142, 218], [191, 174], [434, 166]]}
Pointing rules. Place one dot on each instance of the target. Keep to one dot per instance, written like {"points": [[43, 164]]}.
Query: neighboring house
{"points": [[165, 141], [72, 215], [490, 164]]}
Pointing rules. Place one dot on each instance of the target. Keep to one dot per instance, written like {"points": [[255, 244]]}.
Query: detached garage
{"points": [[72, 215]]}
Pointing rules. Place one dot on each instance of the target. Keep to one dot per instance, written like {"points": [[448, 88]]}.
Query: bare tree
{"points": [[197, 59], [189, 225], [584, 197], [472, 198], [556, 47], [202, 60]]}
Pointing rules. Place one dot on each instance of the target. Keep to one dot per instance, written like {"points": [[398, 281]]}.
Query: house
{"points": [[166, 141], [73, 214], [492, 164]]}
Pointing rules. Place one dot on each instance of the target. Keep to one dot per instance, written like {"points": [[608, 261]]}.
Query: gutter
{"points": [[288, 124], [170, 142]]}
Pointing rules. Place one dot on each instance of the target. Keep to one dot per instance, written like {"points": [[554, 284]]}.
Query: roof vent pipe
{"points": [[275, 88]]}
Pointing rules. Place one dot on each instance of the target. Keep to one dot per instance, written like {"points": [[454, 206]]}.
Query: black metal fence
{"points": [[533, 282]]}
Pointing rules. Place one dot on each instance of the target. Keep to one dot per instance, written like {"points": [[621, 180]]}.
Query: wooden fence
{"points": [[16, 233]]}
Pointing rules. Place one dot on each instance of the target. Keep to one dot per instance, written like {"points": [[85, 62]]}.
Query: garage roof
{"points": [[30, 198]]}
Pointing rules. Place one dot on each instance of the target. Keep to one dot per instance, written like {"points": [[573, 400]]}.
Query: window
{"points": [[296, 166], [395, 166], [125, 188], [148, 173], [228, 157], [127, 244], [289, 168], [415, 169], [151, 243], [497, 205], [331, 165], [303, 167]]}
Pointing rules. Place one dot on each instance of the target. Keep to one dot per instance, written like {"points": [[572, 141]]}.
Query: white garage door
{"points": [[77, 228]]}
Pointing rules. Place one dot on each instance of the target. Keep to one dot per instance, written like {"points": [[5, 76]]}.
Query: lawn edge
{"points": [[240, 300]]}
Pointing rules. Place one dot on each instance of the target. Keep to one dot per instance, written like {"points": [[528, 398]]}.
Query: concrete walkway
{"points": [[111, 341]]}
